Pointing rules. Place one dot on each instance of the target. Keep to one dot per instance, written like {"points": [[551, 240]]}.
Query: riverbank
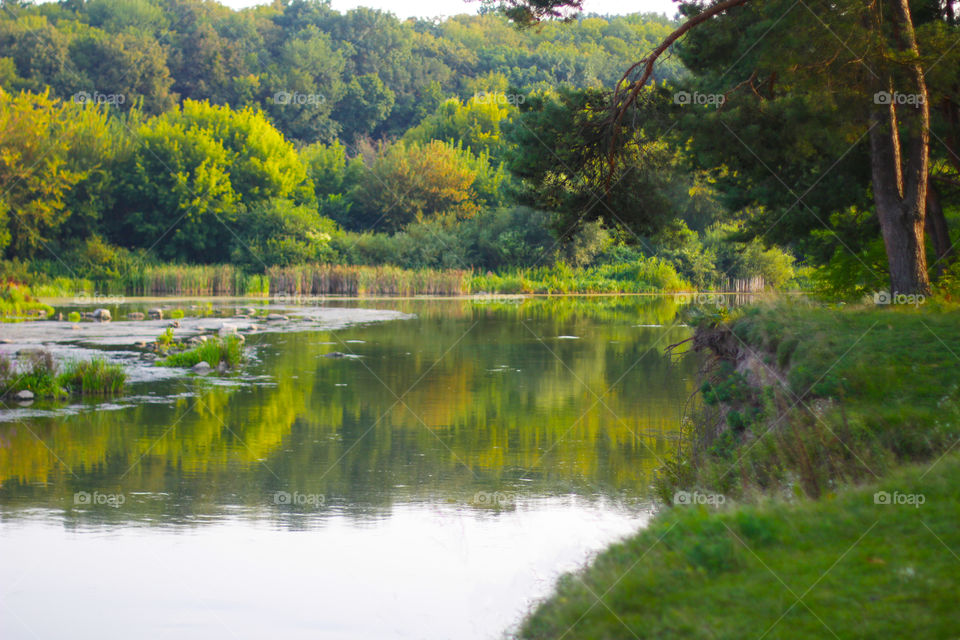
{"points": [[823, 491]]}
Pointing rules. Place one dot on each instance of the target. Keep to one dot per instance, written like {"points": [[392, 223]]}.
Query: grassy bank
{"points": [[802, 397], [804, 413], [842, 566]]}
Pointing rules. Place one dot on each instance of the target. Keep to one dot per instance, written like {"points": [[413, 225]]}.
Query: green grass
{"points": [[228, 350], [834, 395], [93, 377], [861, 570], [40, 373]]}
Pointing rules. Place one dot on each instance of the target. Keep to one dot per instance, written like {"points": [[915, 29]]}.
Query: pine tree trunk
{"points": [[900, 165]]}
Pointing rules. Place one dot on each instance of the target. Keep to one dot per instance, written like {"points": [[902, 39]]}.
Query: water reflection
{"points": [[542, 397], [429, 487]]}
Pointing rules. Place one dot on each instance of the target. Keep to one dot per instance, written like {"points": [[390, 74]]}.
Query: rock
{"points": [[334, 354], [87, 315], [4, 341], [148, 356], [75, 327], [24, 395], [59, 317], [222, 367], [201, 367], [197, 340], [276, 317], [227, 330], [175, 324], [140, 345], [102, 315], [247, 311], [155, 314], [135, 315]]}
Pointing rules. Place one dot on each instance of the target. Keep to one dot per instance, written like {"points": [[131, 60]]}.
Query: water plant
{"points": [[213, 351], [96, 376]]}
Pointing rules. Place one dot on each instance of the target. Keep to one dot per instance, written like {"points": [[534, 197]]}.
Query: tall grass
{"points": [[228, 350], [646, 275], [321, 279], [93, 377], [40, 374]]}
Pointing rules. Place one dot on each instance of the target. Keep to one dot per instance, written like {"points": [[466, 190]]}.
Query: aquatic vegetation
{"points": [[176, 314], [74, 316], [213, 351], [40, 374], [96, 376], [327, 279]]}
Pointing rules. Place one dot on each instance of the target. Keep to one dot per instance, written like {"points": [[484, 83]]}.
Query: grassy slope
{"points": [[884, 384], [863, 570]]}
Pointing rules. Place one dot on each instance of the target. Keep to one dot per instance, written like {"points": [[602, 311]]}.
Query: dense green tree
{"points": [[43, 144], [181, 191]]}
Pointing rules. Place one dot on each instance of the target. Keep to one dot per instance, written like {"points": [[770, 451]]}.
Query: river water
{"points": [[432, 483]]}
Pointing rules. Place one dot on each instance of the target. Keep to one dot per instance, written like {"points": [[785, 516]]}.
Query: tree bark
{"points": [[900, 164]]}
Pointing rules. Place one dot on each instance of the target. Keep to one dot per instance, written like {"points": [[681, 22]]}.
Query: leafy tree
{"points": [[40, 141], [181, 190], [405, 182]]}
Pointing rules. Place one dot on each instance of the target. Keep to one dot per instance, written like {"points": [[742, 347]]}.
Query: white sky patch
{"points": [[434, 8]]}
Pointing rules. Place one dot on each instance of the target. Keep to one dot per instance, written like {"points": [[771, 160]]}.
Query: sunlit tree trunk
{"points": [[900, 154]]}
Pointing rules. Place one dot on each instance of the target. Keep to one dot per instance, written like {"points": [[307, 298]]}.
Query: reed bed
{"points": [[326, 279]]}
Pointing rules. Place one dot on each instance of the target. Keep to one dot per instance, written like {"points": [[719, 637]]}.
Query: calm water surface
{"points": [[433, 486]]}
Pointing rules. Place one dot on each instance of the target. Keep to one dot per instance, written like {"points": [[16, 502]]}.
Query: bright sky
{"points": [[432, 8]]}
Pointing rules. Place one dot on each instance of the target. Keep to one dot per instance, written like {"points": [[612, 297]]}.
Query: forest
{"points": [[141, 133]]}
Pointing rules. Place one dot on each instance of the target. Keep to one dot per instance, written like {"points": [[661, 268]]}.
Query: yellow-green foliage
{"points": [[17, 303]]}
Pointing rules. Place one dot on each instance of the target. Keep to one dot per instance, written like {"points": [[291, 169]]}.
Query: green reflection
{"points": [[466, 397]]}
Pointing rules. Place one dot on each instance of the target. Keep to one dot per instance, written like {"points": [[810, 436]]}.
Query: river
{"points": [[432, 483]]}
